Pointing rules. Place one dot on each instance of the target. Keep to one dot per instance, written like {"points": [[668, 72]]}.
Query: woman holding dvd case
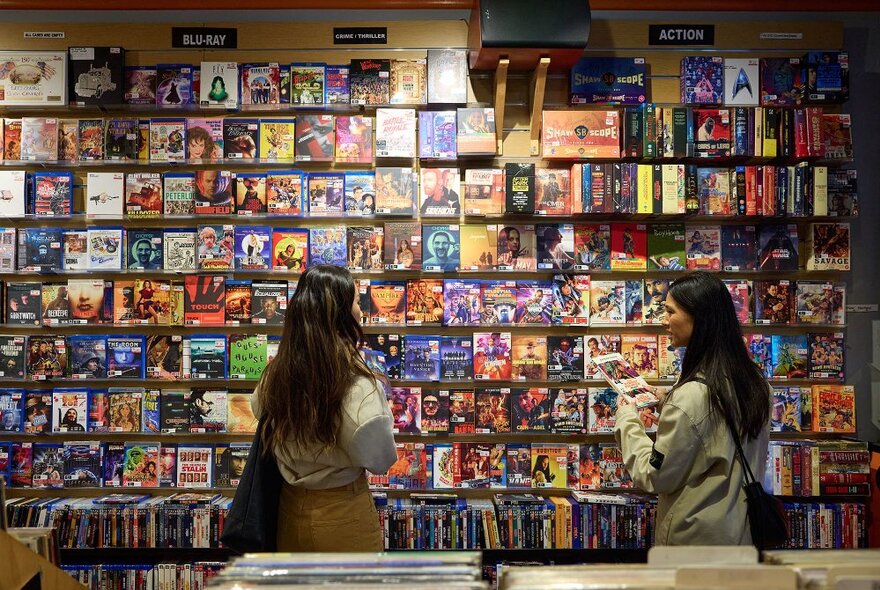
{"points": [[693, 465], [328, 420]]}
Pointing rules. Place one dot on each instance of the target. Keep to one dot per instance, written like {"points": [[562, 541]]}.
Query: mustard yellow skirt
{"points": [[335, 519]]}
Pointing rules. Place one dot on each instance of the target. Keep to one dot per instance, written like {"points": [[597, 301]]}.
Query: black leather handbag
{"points": [[766, 511], [252, 521]]}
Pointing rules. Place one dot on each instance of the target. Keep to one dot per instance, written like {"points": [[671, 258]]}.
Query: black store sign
{"points": [[360, 35]]}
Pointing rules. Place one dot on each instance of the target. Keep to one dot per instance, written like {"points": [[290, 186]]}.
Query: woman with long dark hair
{"points": [[326, 420], [693, 465]]}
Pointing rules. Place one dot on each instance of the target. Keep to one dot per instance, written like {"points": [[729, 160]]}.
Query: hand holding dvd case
{"points": [[625, 380]]}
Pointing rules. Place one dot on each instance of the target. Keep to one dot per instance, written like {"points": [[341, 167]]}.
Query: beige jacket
{"points": [[365, 441], [692, 468]]}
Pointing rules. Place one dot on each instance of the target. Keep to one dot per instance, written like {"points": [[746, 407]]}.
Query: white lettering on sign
{"points": [[44, 35], [681, 34], [203, 40]]}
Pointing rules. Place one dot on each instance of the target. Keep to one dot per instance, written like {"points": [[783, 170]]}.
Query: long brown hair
{"points": [[302, 391]]}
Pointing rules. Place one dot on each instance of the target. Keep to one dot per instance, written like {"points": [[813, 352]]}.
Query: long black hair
{"points": [[737, 389]]}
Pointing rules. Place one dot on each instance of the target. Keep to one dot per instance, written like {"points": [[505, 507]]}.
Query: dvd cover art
{"points": [[68, 140], [484, 191], [39, 139], [529, 354], [785, 409], [814, 302], [47, 357], [141, 465], [516, 248], [174, 84], [437, 135], [408, 84], [826, 356], [221, 84], [741, 295], [462, 302], [144, 249], [104, 194], [603, 410], [38, 412], [240, 416], [782, 82], [277, 140], [354, 139], [326, 192], [315, 138], [268, 302], [369, 81], [164, 356], [69, 410], [703, 244], [336, 84], [568, 411], [836, 134], [592, 246], [207, 410], [82, 464], [216, 247], [143, 194], [125, 357], [640, 352], [247, 355], [260, 84], [179, 194], [150, 414], [492, 413], [290, 250], [360, 194], [778, 247], [421, 358], [55, 306], [284, 193], [365, 248], [702, 80], [629, 247], [608, 80], [403, 242], [479, 247], [179, 250], [241, 139], [238, 302], [473, 465], [669, 359], [405, 404], [124, 408], [174, 411], [440, 248], [114, 465], [424, 302], [327, 245], [555, 246], [195, 466], [654, 306], [307, 83], [565, 358], [388, 302], [53, 194], [475, 128], [834, 408], [666, 247], [447, 76], [213, 192], [207, 357], [552, 192], [828, 246], [571, 300], [774, 302], [33, 78], [140, 85], [39, 249], [759, 347], [738, 247], [12, 357], [612, 468], [105, 248], [396, 133], [252, 247], [88, 357], [456, 358], [580, 134], [607, 302], [499, 302], [48, 466], [91, 140], [439, 190], [395, 191], [12, 192], [120, 139], [391, 346], [492, 359], [534, 303], [519, 466], [789, 356], [531, 410]]}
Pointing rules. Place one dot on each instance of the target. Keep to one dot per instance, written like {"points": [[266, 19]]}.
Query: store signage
{"points": [[781, 36], [681, 34], [360, 35], [203, 38], [44, 35]]}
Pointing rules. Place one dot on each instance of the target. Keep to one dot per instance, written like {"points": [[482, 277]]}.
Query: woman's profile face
{"points": [[356, 312], [679, 323]]}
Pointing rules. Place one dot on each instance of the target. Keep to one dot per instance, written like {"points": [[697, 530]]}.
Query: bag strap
{"points": [[748, 476]]}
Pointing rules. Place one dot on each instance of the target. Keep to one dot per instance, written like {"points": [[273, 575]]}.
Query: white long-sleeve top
{"points": [[365, 441]]}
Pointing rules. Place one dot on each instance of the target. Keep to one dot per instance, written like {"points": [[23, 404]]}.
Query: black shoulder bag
{"points": [[766, 511], [252, 521]]}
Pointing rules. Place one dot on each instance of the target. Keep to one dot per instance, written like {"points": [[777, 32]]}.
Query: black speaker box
{"points": [[524, 31]]}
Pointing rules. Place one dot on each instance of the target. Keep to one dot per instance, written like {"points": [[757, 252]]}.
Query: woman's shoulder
{"points": [[692, 397]]}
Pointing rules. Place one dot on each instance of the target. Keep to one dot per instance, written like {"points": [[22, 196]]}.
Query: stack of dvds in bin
{"points": [[827, 568], [594, 577], [424, 570]]}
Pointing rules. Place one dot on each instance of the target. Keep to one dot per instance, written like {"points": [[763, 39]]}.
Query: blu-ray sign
{"points": [[204, 37]]}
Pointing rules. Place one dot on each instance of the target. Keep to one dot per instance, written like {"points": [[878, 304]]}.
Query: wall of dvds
{"points": [[166, 301]]}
